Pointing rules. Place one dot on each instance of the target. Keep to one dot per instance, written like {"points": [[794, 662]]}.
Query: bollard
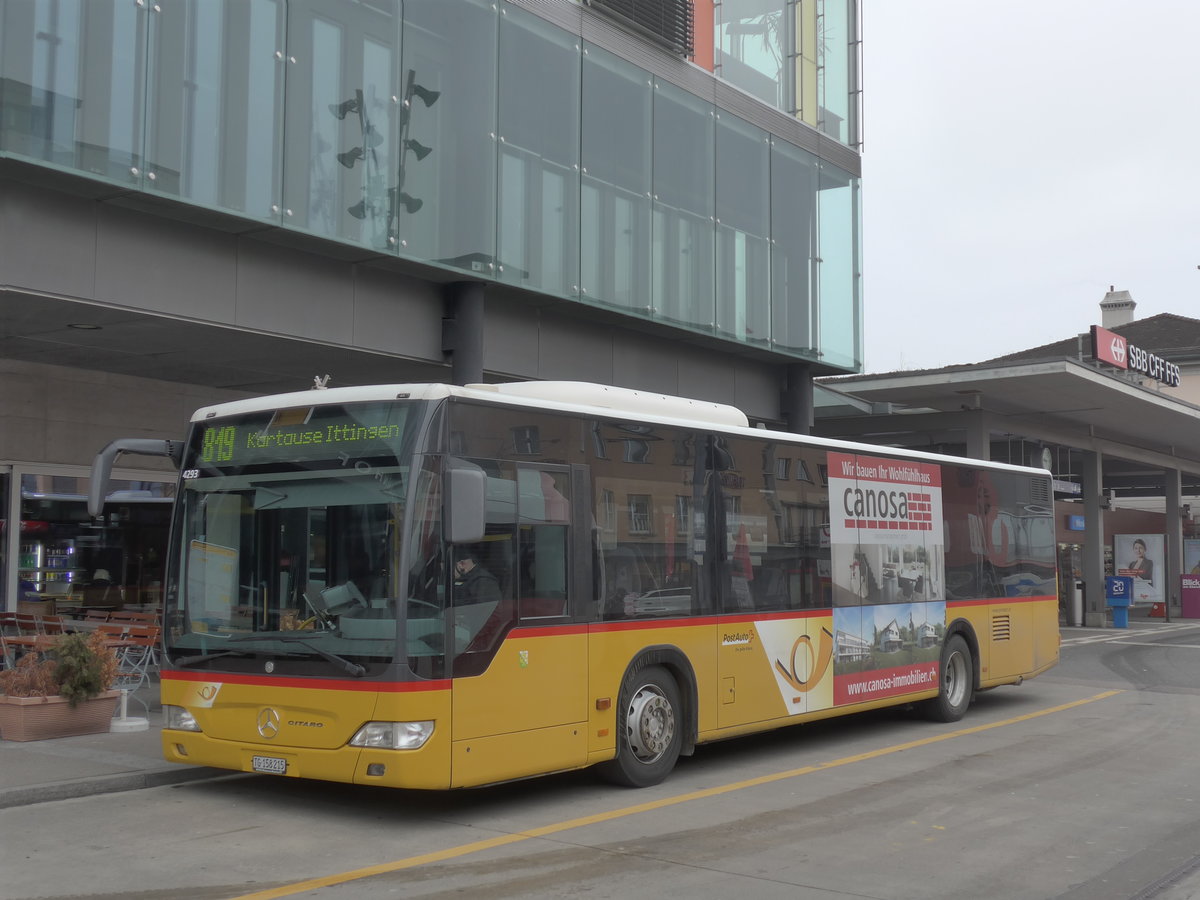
{"points": [[123, 724]]}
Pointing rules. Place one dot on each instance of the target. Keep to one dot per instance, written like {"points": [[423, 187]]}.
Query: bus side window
{"points": [[543, 542]]}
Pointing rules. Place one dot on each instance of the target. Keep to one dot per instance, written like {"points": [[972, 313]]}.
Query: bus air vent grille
{"points": [[1001, 627], [1039, 490]]}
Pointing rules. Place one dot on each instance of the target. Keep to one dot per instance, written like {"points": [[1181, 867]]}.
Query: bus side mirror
{"points": [[466, 503], [102, 465]]}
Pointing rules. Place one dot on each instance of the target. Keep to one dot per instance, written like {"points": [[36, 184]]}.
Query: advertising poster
{"points": [[888, 573], [1141, 557], [1191, 557], [1189, 582]]}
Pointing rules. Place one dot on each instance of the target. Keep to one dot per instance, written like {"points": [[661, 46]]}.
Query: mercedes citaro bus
{"points": [[427, 586]]}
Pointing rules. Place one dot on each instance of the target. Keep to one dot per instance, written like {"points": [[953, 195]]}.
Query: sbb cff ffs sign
{"points": [[1109, 347]]}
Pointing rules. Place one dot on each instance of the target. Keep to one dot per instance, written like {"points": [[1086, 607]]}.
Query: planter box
{"points": [[38, 718]]}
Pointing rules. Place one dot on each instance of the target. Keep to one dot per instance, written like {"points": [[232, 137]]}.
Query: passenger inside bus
{"points": [[473, 583], [483, 610]]}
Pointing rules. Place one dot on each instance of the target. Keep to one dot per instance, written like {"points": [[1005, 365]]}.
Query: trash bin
{"points": [[1118, 594]]}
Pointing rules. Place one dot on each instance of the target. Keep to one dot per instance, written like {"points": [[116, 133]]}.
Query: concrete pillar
{"points": [[798, 398], [1092, 485], [979, 438], [1173, 484], [462, 331]]}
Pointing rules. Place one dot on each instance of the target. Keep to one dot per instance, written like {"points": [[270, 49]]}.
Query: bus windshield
{"points": [[288, 539]]}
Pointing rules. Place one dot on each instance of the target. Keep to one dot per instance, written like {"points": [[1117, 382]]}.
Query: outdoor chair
{"points": [[8, 653], [28, 624], [137, 657]]}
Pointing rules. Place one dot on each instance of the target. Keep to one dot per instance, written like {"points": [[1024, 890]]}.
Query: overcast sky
{"points": [[1019, 158]]}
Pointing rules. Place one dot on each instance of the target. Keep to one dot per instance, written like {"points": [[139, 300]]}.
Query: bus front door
{"points": [[520, 688]]}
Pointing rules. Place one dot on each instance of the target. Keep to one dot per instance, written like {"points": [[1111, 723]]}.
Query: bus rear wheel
{"points": [[957, 682], [648, 729]]}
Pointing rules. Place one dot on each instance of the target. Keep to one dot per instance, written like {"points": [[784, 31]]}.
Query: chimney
{"points": [[1116, 309]]}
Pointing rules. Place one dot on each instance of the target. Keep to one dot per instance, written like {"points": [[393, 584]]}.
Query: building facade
{"points": [[1112, 411], [205, 199]]}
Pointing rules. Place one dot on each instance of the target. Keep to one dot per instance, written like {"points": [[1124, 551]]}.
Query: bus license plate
{"points": [[272, 765]]}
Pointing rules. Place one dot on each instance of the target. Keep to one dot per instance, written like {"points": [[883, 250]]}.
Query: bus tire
{"points": [[649, 729], [957, 682]]}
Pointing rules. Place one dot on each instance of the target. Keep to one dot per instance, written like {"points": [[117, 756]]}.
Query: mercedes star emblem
{"points": [[268, 722]]}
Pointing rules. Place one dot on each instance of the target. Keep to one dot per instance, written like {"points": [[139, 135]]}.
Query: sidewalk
{"points": [[38, 771]]}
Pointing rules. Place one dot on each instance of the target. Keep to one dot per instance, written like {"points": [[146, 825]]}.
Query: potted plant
{"points": [[63, 692]]}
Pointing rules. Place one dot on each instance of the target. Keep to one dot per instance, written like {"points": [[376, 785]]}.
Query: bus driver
{"points": [[473, 583]]}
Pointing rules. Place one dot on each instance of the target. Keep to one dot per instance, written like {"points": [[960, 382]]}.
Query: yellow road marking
{"points": [[557, 827]]}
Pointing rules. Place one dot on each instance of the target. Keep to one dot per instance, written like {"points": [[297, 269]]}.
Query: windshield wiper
{"points": [[293, 637], [185, 661]]}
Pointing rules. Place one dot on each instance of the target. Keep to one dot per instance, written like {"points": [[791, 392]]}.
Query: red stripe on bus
{"points": [[547, 631], [319, 684]]}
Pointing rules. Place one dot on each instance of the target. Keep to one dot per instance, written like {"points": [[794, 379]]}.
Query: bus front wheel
{"points": [[648, 729], [957, 682]]}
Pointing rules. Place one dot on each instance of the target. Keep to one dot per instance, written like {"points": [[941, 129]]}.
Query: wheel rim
{"points": [[954, 679], [649, 724]]}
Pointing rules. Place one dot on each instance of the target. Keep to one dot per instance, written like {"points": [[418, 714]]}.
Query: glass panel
{"points": [[449, 215], [776, 520], [793, 247], [426, 619], [289, 539], [539, 108], [743, 226], [5, 478], [73, 85], [68, 557], [341, 169], [754, 47], [683, 207], [215, 106], [544, 510], [651, 520], [615, 245], [834, 64], [840, 315]]}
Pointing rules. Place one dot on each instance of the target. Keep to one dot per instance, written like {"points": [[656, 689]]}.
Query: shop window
{"points": [[63, 551]]}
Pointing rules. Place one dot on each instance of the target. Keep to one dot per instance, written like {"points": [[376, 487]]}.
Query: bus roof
{"points": [[581, 396], [576, 397]]}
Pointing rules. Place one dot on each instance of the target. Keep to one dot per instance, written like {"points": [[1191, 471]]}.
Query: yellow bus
{"points": [[428, 586]]}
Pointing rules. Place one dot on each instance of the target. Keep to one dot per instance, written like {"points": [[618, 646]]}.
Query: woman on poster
{"points": [[1141, 566]]}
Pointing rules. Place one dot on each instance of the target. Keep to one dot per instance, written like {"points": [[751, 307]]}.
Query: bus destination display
{"points": [[289, 435]]}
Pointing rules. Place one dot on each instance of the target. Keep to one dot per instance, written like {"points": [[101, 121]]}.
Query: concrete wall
{"points": [[267, 284], [55, 414]]}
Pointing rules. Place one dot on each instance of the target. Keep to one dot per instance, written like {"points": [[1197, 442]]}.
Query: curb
{"points": [[105, 784]]}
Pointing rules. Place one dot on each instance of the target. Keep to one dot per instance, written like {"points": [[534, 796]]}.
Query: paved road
{"points": [[1079, 784]]}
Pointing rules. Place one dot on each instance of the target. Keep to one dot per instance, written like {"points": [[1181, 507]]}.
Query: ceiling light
{"points": [[84, 326]]}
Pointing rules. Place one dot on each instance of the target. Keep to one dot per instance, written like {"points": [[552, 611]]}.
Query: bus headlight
{"points": [[178, 718], [393, 735]]}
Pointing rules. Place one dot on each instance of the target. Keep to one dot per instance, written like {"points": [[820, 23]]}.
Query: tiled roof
{"points": [[1172, 337], [1175, 338]]}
